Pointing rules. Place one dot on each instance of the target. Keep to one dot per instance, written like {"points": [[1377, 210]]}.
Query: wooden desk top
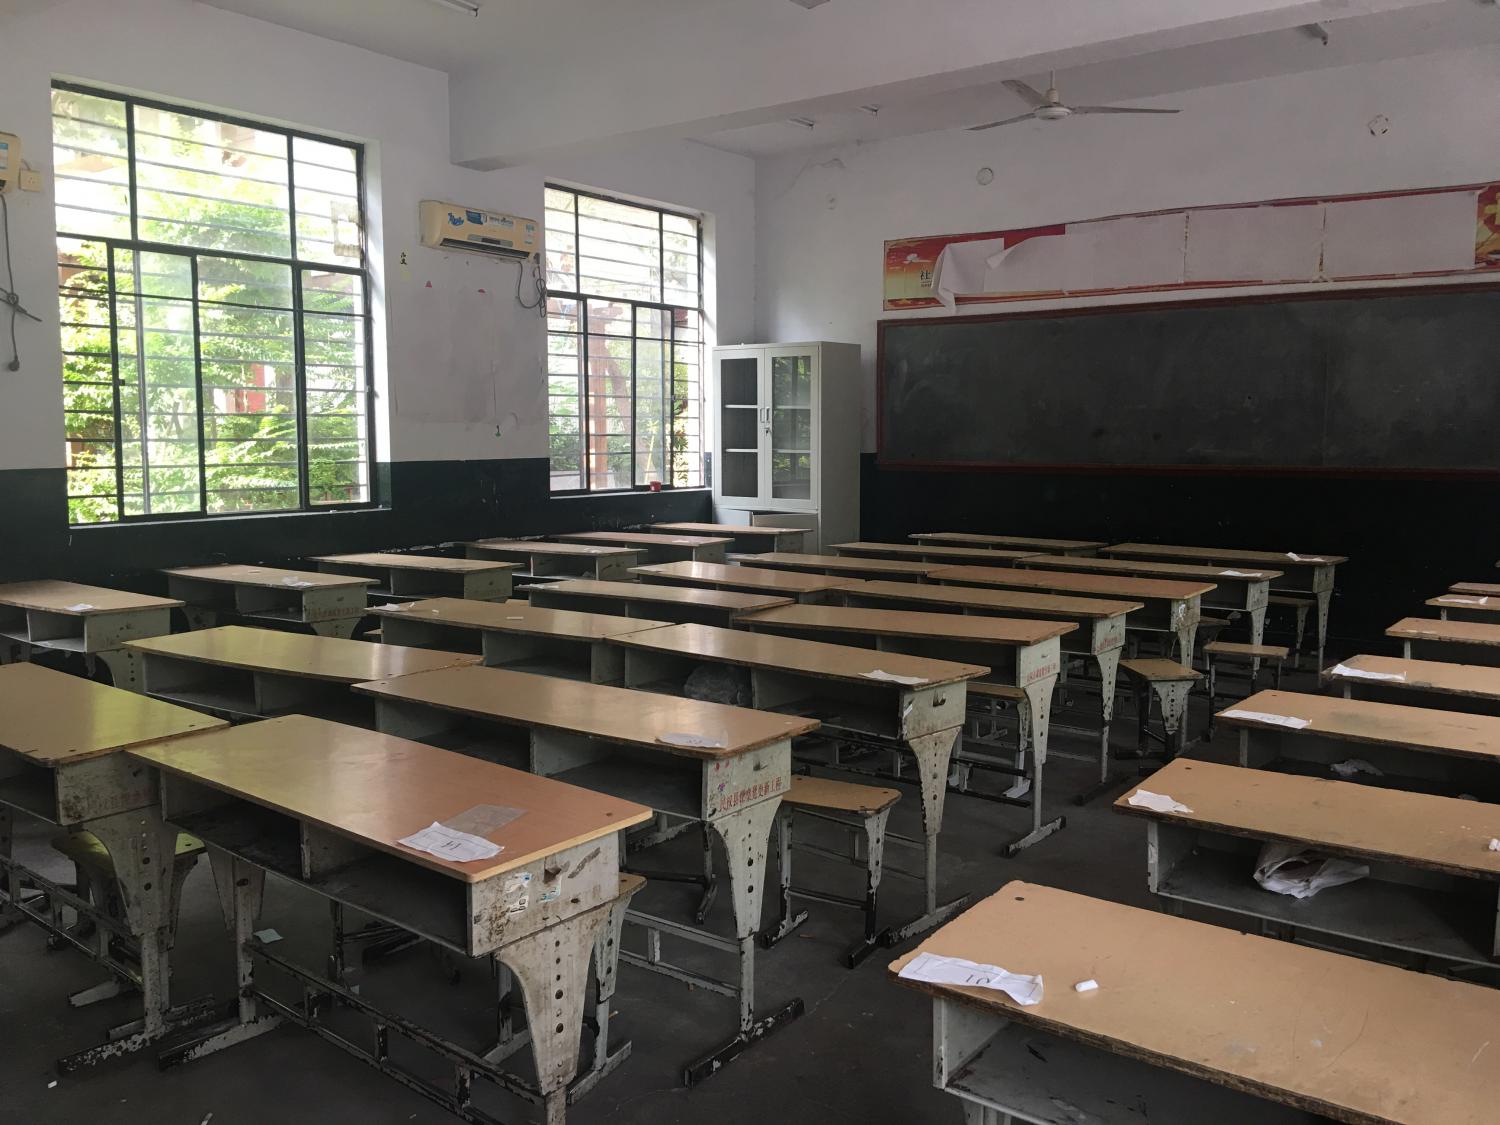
{"points": [[557, 550], [613, 714], [375, 789], [678, 595], [1022, 542], [266, 576], [1333, 1034], [990, 597], [398, 561], [642, 539], [517, 616], [1229, 555], [1108, 585], [1149, 567], [54, 719], [60, 597], [1483, 589], [1438, 833], [847, 563], [1479, 603], [1424, 675], [907, 623], [297, 654], [1429, 629], [726, 529], [932, 551], [789, 654], [725, 574], [1383, 724]]}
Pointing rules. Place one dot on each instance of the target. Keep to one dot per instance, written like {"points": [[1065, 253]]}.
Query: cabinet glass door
{"points": [[740, 426], [792, 426]]}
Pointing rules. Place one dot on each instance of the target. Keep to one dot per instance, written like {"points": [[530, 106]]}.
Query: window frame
{"points": [[296, 266], [581, 299]]}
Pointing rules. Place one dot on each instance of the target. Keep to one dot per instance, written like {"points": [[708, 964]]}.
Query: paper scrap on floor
{"points": [[891, 677], [1351, 767], [1156, 802], [1362, 674], [1288, 869], [1265, 717], [937, 969], [445, 843]]}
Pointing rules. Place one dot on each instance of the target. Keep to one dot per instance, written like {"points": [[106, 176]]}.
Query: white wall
{"points": [[821, 220], [183, 51]]}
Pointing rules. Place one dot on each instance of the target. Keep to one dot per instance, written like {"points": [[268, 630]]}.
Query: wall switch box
{"points": [[29, 180]]}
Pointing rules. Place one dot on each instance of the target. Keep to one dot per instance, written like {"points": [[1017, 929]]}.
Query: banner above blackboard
{"points": [[1433, 232]]}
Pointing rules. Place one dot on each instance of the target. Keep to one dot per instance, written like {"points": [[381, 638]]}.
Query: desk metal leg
{"points": [[933, 753], [1038, 705], [124, 668], [606, 978], [1257, 635], [10, 876], [1325, 599], [341, 628], [1109, 672]]}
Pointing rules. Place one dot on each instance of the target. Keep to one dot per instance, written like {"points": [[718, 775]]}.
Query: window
{"points": [[624, 344], [215, 322]]}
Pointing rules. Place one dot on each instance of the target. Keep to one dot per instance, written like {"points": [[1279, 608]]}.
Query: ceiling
{"points": [[530, 78]]}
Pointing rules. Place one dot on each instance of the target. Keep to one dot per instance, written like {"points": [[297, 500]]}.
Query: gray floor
{"points": [[861, 1053]]}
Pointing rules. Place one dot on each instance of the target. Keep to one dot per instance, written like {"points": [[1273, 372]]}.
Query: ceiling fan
{"points": [[1050, 106]]}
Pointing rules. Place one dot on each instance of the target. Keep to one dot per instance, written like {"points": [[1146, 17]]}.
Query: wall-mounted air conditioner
{"points": [[452, 227]]}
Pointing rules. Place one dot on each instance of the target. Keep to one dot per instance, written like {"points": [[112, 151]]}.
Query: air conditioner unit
{"points": [[452, 227]]}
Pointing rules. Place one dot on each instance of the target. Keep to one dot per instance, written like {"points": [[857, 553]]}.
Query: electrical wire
{"points": [[8, 295], [537, 280]]}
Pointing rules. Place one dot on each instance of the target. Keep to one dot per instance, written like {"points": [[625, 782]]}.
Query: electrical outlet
{"points": [[29, 180]]}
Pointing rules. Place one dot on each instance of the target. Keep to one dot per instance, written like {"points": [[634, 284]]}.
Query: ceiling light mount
{"points": [[467, 7], [1315, 31]]}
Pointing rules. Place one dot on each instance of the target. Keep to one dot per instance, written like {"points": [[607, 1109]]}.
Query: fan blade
{"points": [[997, 124], [1026, 93], [1117, 109]]}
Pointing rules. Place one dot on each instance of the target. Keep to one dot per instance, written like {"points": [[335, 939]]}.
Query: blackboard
{"points": [[1405, 380]]}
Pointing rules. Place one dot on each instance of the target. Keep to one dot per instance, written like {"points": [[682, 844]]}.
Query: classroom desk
{"points": [[1219, 1026], [322, 806], [655, 546], [90, 621], [1414, 748], [240, 673], [887, 570], [1021, 654], [851, 691], [1461, 642], [1422, 683], [929, 552], [329, 605], [1233, 590], [742, 537], [723, 767], [661, 603], [1099, 640], [1167, 606], [1034, 543], [558, 560], [1431, 889], [1300, 574], [1466, 607], [424, 576], [60, 762], [516, 635], [810, 589], [1484, 589]]}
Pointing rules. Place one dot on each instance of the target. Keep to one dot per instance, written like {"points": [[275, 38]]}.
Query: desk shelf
{"points": [[30, 788], [659, 787]]}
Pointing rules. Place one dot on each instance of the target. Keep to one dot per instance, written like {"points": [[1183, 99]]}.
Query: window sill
{"points": [[217, 521], [613, 492]]}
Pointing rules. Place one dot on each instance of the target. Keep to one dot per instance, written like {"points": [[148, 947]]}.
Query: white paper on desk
{"points": [[1288, 869], [1266, 717], [683, 738], [1494, 844], [81, 607], [1156, 802], [1361, 674], [446, 843], [937, 969], [1304, 558], [1238, 574], [892, 678], [1447, 599], [297, 583], [397, 606], [1352, 767]]}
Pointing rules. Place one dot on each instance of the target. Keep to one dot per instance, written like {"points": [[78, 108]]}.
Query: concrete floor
{"points": [[861, 1053]]}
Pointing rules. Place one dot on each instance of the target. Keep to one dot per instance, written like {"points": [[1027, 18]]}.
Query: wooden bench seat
{"points": [[1169, 683], [1216, 653], [862, 810], [1433, 881]]}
